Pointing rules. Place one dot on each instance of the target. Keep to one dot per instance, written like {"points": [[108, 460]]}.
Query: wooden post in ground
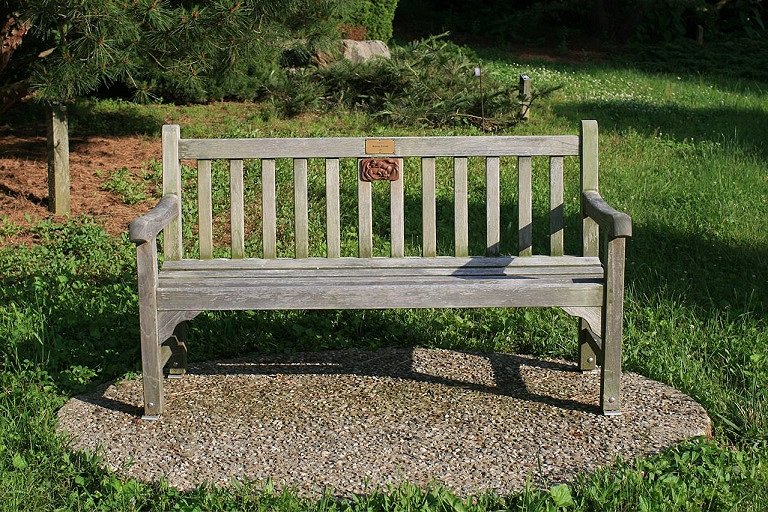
{"points": [[699, 34], [525, 96], [58, 161]]}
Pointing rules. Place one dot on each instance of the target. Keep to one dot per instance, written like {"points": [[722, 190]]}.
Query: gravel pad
{"points": [[354, 421]]}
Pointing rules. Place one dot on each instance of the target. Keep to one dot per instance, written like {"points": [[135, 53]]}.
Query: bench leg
{"points": [[613, 318], [177, 362], [152, 372], [587, 356], [151, 357]]}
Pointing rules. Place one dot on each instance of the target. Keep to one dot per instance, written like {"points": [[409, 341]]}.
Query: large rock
{"points": [[362, 51]]}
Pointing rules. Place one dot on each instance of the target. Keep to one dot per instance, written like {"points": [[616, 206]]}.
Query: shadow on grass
{"points": [[87, 118], [696, 271], [747, 128]]}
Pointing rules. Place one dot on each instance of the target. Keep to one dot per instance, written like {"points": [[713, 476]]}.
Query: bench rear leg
{"points": [[613, 318], [587, 356], [177, 362]]}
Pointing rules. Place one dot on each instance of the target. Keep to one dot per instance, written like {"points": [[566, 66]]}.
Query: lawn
{"points": [[683, 153]]}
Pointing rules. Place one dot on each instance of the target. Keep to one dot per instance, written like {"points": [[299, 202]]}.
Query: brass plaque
{"points": [[379, 146]]}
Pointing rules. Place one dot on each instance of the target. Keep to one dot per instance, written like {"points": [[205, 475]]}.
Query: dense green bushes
{"points": [[375, 16], [560, 21]]}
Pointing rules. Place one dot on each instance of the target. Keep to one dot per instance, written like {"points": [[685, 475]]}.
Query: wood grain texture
{"points": [[172, 248], [590, 235], [591, 315], [397, 214], [332, 208], [612, 332], [525, 207], [269, 208], [614, 223], [58, 160], [526, 95], [492, 205], [460, 207], [387, 272], [204, 209], [151, 366], [168, 320], [237, 209], [433, 293], [364, 219], [556, 207], [148, 226], [340, 147], [383, 263], [301, 207], [428, 209]]}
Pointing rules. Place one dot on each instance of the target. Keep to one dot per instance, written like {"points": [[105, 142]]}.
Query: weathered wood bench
{"points": [[589, 286]]}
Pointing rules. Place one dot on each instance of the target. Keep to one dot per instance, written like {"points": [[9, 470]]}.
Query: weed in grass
{"points": [[128, 188]]}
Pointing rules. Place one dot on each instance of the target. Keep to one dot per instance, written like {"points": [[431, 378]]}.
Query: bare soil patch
{"points": [[24, 178]]}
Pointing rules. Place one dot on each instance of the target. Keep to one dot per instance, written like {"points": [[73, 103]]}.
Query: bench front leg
{"points": [[612, 327], [151, 362]]}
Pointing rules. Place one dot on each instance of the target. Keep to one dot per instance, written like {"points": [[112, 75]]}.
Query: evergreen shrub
{"points": [[375, 16]]}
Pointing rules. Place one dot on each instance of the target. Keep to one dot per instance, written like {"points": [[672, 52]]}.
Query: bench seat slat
{"points": [[445, 293], [381, 262], [171, 275]]}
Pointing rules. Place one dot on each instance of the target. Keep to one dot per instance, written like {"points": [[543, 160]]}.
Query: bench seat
{"points": [[379, 283]]}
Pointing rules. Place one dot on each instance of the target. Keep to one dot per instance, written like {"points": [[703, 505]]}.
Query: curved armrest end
{"points": [[148, 226], [617, 224]]}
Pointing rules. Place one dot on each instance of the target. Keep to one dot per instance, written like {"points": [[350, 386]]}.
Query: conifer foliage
{"points": [[64, 49]]}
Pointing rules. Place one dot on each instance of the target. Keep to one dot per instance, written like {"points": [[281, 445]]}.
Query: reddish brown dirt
{"points": [[24, 179]]}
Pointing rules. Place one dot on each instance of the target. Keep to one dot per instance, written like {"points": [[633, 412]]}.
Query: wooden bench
{"points": [[589, 286]]}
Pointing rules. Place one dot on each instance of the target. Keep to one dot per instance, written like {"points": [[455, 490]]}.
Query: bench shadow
{"points": [[505, 373]]}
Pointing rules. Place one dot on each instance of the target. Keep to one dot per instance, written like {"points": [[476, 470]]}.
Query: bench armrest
{"points": [[148, 226], [615, 223]]}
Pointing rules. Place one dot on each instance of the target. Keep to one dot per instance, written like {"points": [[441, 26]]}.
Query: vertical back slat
{"points": [[364, 218], [237, 208], [205, 209], [460, 207], [397, 214], [493, 205], [172, 249], [556, 214], [332, 208], [525, 207], [301, 211], [589, 181], [269, 208], [428, 208]]}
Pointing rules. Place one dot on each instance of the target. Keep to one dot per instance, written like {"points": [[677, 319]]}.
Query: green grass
{"points": [[683, 153]]}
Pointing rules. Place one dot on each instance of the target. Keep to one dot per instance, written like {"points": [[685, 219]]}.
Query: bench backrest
{"points": [[333, 150]]}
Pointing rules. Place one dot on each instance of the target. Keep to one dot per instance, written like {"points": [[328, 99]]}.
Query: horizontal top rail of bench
{"points": [[346, 147]]}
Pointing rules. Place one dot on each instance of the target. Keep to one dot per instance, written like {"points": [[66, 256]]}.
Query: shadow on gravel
{"points": [[495, 373]]}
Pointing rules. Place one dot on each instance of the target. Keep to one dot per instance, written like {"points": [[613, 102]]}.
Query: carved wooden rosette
{"points": [[379, 169]]}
